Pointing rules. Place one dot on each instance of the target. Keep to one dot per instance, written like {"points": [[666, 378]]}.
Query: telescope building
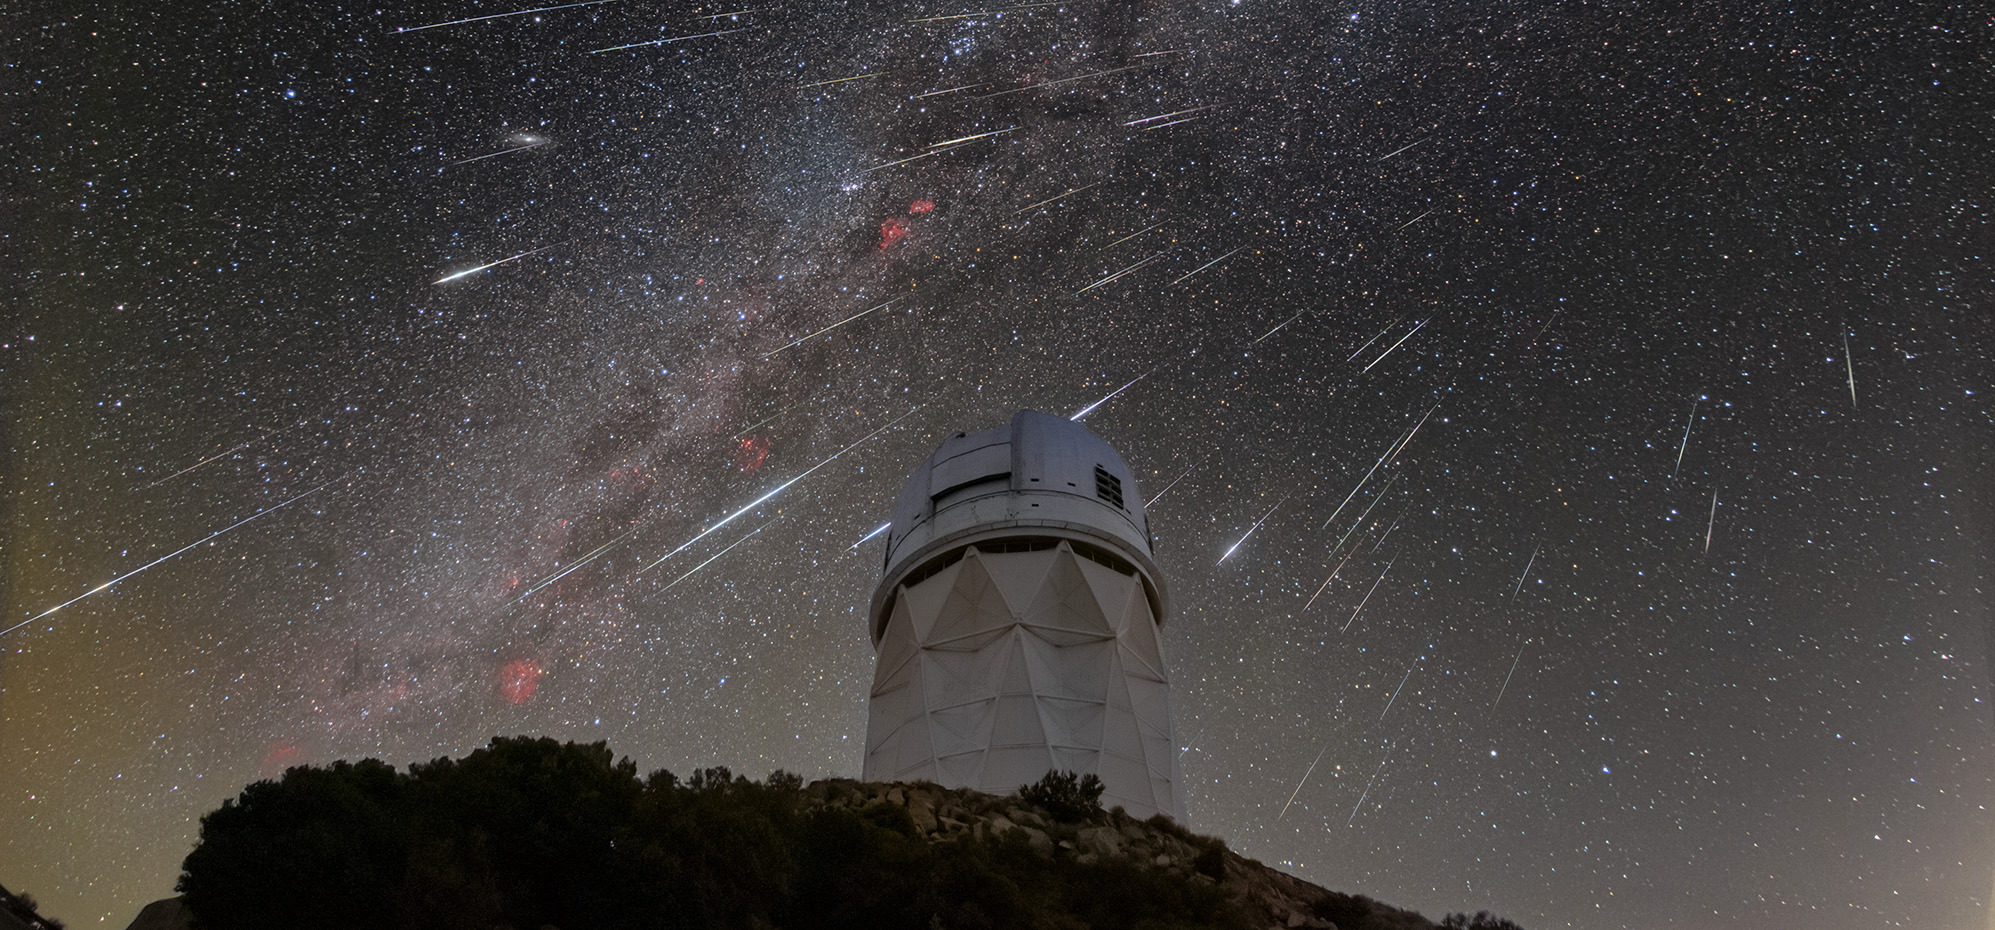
{"points": [[1016, 622]]}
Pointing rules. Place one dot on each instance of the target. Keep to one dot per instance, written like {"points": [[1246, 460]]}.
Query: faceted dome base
{"points": [[1006, 664]]}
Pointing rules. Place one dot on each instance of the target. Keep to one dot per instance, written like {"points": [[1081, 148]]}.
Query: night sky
{"points": [[1602, 390]]}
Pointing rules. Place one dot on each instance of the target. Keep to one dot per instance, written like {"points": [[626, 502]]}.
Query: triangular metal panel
{"points": [[972, 605], [1018, 575], [1064, 599], [1017, 722], [924, 600], [961, 770], [1110, 587]]}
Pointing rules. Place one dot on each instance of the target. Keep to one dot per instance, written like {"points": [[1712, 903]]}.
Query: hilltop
{"points": [[536, 834]]}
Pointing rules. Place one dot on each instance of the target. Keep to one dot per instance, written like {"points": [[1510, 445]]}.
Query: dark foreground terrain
{"points": [[531, 833]]}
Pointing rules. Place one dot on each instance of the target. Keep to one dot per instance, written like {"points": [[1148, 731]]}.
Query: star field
{"points": [[1566, 425]]}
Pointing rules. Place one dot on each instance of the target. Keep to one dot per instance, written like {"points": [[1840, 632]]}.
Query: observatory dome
{"points": [[1016, 622]]}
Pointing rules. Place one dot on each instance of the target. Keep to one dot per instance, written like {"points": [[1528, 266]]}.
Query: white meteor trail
{"points": [[1120, 273], [1527, 570], [1711, 522], [778, 489], [1168, 487], [1332, 577], [578, 563], [476, 19], [1402, 340], [1506, 678], [1208, 264], [1367, 600], [1250, 530], [1402, 686], [1368, 342], [876, 531], [702, 35], [710, 559], [1368, 785], [833, 326], [1305, 779], [1849, 366], [1084, 411], [108, 584], [1052, 199], [467, 271], [1277, 329], [1368, 512], [516, 148], [1685, 444], [1402, 149]]}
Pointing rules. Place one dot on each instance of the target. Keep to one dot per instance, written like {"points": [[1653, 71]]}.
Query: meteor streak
{"points": [[1326, 581], [108, 584], [1132, 235], [1305, 779], [1527, 570], [578, 563], [710, 560], [1361, 609], [1402, 340], [241, 446], [1849, 366], [1051, 199], [1402, 686], [1209, 264], [1120, 273], [1064, 80], [474, 19], [1685, 444], [516, 148], [1084, 411], [876, 531], [1277, 329], [1256, 526], [1167, 488], [1147, 119], [1712, 521], [1361, 483], [703, 35], [778, 489], [842, 80], [1506, 678], [1368, 342], [1402, 149], [836, 325], [1368, 785], [453, 277], [1416, 219]]}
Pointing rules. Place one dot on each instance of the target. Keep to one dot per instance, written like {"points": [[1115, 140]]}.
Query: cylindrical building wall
{"points": [[1017, 622]]}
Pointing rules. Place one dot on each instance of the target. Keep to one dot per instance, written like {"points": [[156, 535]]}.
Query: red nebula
{"points": [[751, 454], [518, 680], [280, 755], [921, 206], [892, 230]]}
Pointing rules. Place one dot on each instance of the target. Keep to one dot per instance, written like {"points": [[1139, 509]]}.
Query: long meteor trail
{"points": [[778, 489], [1257, 525], [710, 559], [477, 19], [1084, 411], [1685, 444], [108, 584], [1305, 779], [453, 277], [1368, 785]]}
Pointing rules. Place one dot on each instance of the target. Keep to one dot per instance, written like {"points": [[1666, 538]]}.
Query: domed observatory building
{"points": [[1016, 622]]}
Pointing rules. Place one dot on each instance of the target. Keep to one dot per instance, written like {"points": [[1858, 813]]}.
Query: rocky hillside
{"points": [[531, 833], [1268, 898]]}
